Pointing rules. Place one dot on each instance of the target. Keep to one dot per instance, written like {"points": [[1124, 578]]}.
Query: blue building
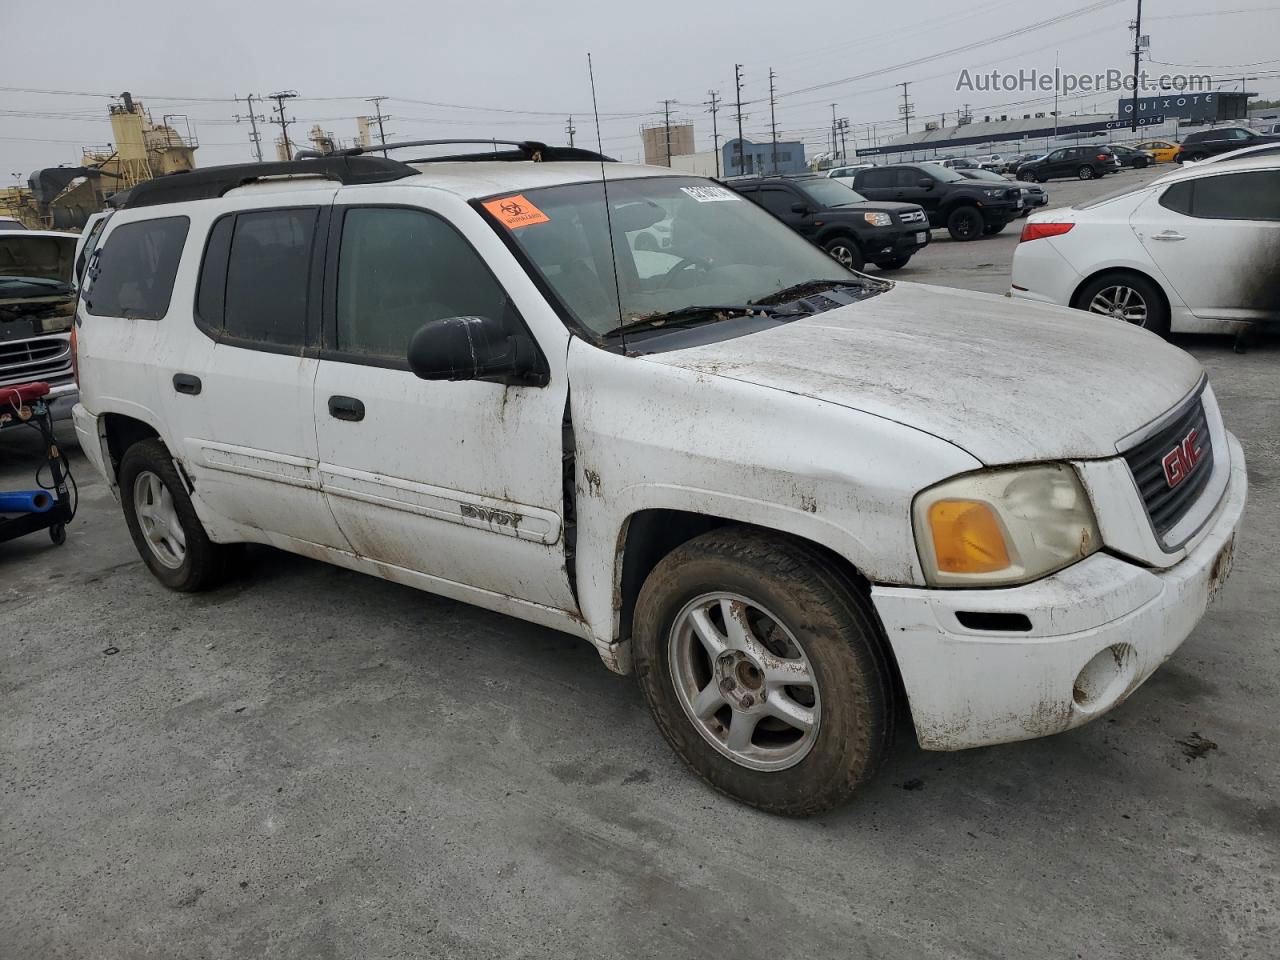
{"points": [[758, 158]]}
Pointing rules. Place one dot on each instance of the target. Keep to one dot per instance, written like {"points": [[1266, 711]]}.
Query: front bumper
{"points": [[1098, 630], [899, 241]]}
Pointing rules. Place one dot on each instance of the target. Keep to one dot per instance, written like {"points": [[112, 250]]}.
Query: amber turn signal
{"points": [[967, 537]]}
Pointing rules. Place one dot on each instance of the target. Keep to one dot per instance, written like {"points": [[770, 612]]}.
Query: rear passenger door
{"points": [[244, 405], [876, 184], [460, 483]]}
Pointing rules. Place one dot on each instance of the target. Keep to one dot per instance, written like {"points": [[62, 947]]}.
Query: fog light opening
{"points": [[1105, 679]]}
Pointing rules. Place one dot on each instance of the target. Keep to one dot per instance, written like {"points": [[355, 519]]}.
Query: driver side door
{"points": [[460, 482]]}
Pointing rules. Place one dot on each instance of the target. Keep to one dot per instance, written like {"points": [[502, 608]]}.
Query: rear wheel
{"points": [[163, 523], [1126, 297], [765, 670], [1086, 172], [847, 252], [965, 223]]}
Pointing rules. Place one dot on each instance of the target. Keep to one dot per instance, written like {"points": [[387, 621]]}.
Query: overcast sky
{"points": [[484, 58]]}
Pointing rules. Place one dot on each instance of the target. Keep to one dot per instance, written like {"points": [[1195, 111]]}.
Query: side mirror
{"points": [[474, 348], [925, 183], [800, 208]]}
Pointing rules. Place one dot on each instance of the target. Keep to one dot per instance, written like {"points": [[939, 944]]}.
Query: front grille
{"points": [[912, 216], [38, 359], [1166, 504]]}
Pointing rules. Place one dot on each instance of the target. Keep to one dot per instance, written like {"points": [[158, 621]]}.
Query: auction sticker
{"points": [[516, 211], [710, 194]]}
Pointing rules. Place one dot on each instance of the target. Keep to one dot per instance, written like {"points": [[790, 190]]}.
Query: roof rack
{"points": [[210, 182], [526, 150]]}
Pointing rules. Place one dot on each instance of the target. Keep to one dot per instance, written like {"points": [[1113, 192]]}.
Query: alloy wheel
{"points": [[744, 681], [1121, 302], [158, 517]]}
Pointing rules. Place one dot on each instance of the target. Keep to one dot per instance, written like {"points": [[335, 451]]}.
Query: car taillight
{"points": [[1034, 231], [75, 358]]}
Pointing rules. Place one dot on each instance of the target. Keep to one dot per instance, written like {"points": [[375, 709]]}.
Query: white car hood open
{"points": [[1006, 380]]}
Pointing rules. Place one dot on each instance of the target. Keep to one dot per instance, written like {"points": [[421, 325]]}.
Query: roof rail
{"points": [[210, 182], [533, 150]]}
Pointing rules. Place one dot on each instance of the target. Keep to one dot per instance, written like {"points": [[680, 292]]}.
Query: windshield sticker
{"points": [[516, 211], [710, 194]]}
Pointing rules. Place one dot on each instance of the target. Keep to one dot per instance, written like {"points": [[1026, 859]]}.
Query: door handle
{"points": [[346, 408], [1169, 235], [187, 383]]}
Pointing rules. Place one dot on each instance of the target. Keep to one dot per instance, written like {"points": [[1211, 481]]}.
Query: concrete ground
{"points": [[312, 763]]}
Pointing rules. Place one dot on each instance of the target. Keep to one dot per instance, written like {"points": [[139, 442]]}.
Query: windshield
{"points": [[680, 241], [831, 193], [36, 258], [945, 174]]}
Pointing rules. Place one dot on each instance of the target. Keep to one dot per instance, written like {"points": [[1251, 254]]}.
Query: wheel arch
{"points": [[1122, 270], [839, 231], [121, 432]]}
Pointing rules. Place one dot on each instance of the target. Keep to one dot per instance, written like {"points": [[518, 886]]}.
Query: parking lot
{"points": [[309, 762]]}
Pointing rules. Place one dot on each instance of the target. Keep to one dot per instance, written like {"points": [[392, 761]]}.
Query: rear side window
{"points": [[777, 200], [398, 269], [1254, 195], [135, 271], [268, 274], [874, 178]]}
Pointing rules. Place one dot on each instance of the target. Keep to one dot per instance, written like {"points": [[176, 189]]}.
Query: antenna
{"points": [[604, 186]]}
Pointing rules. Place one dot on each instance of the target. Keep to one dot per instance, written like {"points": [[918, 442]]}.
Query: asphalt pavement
{"points": [[313, 763]]}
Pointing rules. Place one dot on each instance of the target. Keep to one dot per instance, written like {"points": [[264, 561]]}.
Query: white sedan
{"points": [[1195, 251]]}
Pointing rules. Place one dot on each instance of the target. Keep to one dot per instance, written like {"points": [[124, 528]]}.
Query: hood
{"points": [[1006, 380], [40, 256], [871, 206]]}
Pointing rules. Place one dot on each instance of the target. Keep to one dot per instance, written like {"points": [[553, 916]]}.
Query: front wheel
{"points": [[163, 522], [1086, 172], [1126, 297], [765, 669], [846, 252], [965, 223]]}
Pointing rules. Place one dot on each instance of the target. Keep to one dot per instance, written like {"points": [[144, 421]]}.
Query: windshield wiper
{"points": [[805, 289], [693, 315]]}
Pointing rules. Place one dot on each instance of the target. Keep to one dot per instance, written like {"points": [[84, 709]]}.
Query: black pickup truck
{"points": [[845, 224], [967, 208]]}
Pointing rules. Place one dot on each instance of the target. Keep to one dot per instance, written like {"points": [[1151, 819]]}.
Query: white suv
{"points": [[786, 495]]}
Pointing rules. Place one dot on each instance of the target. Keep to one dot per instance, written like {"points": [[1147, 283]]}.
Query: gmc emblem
{"points": [[1179, 462]]}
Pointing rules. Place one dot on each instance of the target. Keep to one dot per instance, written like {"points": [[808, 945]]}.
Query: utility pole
{"points": [[737, 83], [1137, 57], [254, 137], [1056, 84], [284, 122], [666, 124], [714, 103], [905, 109], [773, 123], [382, 133], [842, 125], [570, 129]]}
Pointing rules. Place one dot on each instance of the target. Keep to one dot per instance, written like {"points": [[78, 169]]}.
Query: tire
{"points": [[148, 476], [825, 625], [897, 263], [991, 229], [846, 251], [1197, 157], [1086, 172], [965, 223], [1104, 289], [1140, 163]]}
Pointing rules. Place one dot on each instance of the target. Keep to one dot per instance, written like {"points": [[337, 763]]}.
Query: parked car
{"points": [[967, 208], [37, 300], [1132, 157], [957, 163], [1162, 150], [990, 162], [1084, 163], [1257, 150], [1207, 143], [11, 223], [846, 174], [1012, 165], [786, 495], [1034, 196], [1268, 128], [841, 221], [1192, 252]]}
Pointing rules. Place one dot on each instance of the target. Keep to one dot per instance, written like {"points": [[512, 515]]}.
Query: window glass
{"points": [[398, 269], [211, 294], [874, 179], [1178, 198], [267, 276], [136, 269], [90, 244], [1056, 156], [1238, 196], [778, 201]]}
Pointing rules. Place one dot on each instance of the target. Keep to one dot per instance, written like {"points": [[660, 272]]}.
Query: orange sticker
{"points": [[516, 211]]}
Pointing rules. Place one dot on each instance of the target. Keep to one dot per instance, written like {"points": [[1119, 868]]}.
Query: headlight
{"points": [[878, 219], [1004, 526], [994, 194]]}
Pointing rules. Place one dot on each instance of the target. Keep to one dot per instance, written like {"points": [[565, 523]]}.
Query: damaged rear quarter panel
{"points": [[655, 436]]}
